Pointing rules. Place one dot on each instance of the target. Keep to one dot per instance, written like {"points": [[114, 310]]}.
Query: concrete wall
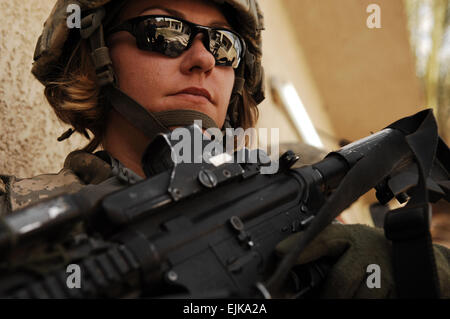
{"points": [[28, 126]]}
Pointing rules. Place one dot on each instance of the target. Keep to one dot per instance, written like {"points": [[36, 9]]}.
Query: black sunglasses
{"points": [[172, 36]]}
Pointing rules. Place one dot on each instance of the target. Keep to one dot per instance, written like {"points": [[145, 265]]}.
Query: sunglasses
{"points": [[172, 36]]}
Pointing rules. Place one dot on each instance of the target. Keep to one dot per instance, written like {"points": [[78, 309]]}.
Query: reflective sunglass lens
{"points": [[226, 48], [167, 36]]}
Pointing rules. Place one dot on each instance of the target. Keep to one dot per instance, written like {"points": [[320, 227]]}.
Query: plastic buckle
{"points": [[91, 22], [105, 78], [103, 66], [407, 222]]}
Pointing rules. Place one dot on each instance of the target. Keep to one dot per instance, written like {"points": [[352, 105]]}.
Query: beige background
{"points": [[353, 80], [28, 127]]}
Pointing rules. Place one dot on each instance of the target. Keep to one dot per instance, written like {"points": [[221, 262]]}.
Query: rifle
{"points": [[203, 230]]}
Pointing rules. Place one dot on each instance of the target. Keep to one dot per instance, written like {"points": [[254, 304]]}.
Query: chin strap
{"points": [[152, 123]]}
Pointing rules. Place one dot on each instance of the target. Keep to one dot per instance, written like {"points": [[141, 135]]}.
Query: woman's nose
{"points": [[197, 57]]}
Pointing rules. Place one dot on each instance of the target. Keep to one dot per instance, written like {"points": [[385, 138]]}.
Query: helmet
{"points": [[51, 52]]}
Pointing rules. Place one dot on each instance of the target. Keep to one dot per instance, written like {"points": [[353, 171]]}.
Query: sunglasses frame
{"points": [[132, 26]]}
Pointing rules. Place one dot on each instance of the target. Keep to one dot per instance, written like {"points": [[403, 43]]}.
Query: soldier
{"points": [[111, 79]]}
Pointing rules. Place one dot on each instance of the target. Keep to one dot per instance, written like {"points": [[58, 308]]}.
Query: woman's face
{"points": [[155, 80]]}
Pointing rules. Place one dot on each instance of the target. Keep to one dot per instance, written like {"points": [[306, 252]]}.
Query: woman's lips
{"points": [[195, 94]]}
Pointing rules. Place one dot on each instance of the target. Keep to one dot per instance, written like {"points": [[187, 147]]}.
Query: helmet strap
{"points": [[236, 97]]}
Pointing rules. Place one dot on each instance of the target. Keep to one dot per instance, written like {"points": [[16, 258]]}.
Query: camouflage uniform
{"points": [[80, 169]]}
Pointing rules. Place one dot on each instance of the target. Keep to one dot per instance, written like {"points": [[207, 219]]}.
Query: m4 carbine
{"points": [[198, 230]]}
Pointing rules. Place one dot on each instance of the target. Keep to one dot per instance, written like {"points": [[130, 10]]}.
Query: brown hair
{"points": [[76, 99], [74, 96]]}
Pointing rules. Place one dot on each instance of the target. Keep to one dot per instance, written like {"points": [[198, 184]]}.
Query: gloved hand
{"points": [[353, 248]]}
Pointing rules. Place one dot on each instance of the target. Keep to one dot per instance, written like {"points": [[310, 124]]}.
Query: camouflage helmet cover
{"points": [[50, 46]]}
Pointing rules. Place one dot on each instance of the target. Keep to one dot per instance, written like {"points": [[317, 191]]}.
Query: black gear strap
{"points": [[408, 227]]}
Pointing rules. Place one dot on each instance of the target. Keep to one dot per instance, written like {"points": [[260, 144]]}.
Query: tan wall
{"points": [[28, 126], [365, 77]]}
